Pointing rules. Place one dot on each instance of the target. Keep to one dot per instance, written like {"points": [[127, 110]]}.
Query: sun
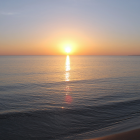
{"points": [[68, 49]]}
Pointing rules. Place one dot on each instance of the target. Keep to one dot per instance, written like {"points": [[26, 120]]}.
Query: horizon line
{"points": [[71, 55]]}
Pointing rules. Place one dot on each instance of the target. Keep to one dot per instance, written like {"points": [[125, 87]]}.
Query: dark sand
{"points": [[130, 135]]}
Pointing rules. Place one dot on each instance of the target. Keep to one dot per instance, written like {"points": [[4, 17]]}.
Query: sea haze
{"points": [[68, 97]]}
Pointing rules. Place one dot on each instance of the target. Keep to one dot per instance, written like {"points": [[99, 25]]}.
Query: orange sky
{"points": [[89, 27]]}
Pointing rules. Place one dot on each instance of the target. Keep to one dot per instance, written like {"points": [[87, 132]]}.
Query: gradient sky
{"points": [[91, 27]]}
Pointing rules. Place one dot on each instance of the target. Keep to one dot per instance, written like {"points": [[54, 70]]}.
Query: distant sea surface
{"points": [[68, 97]]}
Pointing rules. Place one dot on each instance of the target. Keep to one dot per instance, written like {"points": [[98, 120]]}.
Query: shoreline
{"points": [[129, 135]]}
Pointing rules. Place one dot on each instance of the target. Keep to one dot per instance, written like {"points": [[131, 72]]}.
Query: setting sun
{"points": [[68, 49]]}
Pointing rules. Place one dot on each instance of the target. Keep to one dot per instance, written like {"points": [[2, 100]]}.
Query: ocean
{"points": [[68, 97]]}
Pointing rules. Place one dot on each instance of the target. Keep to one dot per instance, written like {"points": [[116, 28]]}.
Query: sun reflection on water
{"points": [[67, 63], [67, 68], [68, 98]]}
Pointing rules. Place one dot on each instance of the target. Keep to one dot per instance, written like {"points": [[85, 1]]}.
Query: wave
{"points": [[20, 86], [60, 122]]}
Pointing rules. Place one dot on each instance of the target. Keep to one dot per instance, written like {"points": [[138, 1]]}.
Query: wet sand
{"points": [[130, 135]]}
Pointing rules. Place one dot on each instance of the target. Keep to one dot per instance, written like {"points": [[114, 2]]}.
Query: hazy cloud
{"points": [[7, 13]]}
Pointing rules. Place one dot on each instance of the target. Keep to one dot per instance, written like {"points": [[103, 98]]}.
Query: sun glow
{"points": [[68, 49]]}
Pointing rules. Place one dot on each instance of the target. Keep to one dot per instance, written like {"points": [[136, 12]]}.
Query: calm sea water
{"points": [[68, 97]]}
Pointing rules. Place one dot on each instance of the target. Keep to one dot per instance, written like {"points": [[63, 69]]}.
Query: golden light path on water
{"points": [[68, 98], [67, 66]]}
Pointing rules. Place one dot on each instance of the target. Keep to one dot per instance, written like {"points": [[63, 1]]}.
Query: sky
{"points": [[89, 27]]}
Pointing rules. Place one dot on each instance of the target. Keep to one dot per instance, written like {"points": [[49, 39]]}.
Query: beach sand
{"points": [[130, 135]]}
